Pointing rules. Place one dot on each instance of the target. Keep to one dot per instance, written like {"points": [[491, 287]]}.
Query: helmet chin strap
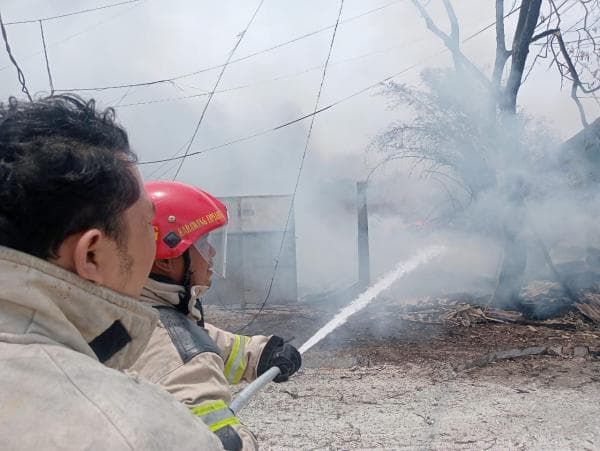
{"points": [[186, 294]]}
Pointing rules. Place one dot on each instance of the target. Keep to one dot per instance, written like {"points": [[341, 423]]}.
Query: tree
{"points": [[572, 47], [472, 143]]}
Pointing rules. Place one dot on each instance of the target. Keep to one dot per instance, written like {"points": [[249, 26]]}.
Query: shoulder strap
{"points": [[189, 339]]}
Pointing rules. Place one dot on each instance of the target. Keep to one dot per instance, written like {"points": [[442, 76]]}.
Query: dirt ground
{"points": [[384, 382]]}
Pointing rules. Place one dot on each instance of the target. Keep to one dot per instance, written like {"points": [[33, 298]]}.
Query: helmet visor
{"points": [[213, 249]]}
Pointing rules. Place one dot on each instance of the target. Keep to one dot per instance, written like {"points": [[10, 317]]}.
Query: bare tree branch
{"points": [[502, 53], [452, 41], [543, 34], [576, 81], [454, 28]]}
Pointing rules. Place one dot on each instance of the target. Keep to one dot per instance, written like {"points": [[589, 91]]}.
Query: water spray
{"points": [[403, 268]]}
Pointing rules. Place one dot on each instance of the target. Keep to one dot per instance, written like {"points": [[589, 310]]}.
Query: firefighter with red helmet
{"points": [[194, 360]]}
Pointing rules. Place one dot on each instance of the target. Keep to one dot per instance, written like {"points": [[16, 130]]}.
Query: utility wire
{"points": [[271, 80], [315, 112], [510, 13], [232, 61], [320, 110], [20, 74], [306, 144], [46, 58], [79, 33], [212, 93], [487, 27], [298, 119], [74, 13], [167, 165]]}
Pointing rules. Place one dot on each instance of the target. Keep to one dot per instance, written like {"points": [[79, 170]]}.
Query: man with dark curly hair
{"points": [[76, 246]]}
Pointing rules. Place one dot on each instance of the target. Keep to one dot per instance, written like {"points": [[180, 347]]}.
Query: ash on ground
{"points": [[436, 373]]}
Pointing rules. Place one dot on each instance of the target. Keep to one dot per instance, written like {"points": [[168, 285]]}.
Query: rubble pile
{"points": [[537, 300], [589, 306]]}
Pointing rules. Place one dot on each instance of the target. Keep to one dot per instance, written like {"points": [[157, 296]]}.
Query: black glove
{"points": [[279, 354]]}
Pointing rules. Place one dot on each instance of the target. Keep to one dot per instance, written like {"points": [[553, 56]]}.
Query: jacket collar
{"points": [[43, 303], [161, 292], [156, 292]]}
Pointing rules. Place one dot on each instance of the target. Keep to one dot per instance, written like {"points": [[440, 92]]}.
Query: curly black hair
{"points": [[64, 168]]}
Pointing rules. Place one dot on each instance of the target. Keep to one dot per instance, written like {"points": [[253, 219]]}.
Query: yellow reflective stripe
{"points": [[242, 365], [236, 365], [232, 421], [205, 409], [232, 355], [215, 415]]}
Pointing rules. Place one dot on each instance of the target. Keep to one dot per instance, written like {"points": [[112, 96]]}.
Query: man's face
{"points": [[199, 267], [123, 266], [132, 260]]}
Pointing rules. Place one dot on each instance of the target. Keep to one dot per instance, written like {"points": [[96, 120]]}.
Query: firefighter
{"points": [[192, 359], [76, 246]]}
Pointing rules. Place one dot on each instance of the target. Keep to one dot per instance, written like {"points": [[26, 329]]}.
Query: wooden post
{"points": [[364, 269], [243, 271]]}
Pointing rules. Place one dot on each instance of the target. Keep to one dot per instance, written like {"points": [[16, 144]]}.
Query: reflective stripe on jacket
{"points": [[241, 353], [190, 366]]}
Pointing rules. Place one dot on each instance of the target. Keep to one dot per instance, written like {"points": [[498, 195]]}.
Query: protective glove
{"points": [[282, 355]]}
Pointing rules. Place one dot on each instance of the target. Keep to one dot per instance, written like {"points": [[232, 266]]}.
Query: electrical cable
{"points": [[298, 119], [274, 79], [306, 116], [304, 153], [297, 182], [79, 33], [74, 13], [20, 75], [212, 93], [233, 61], [487, 27], [46, 58]]}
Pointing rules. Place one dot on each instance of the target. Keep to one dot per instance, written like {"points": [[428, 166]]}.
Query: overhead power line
{"points": [[306, 116], [510, 13], [290, 211], [233, 61], [293, 199], [212, 93], [320, 110], [270, 80], [20, 75], [46, 58], [74, 13], [296, 120], [79, 33]]}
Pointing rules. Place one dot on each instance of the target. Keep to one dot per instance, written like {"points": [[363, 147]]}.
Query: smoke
{"points": [[408, 207], [499, 179]]}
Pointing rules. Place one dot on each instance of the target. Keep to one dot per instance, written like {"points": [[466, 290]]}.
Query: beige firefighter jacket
{"points": [[192, 368], [54, 392], [240, 353]]}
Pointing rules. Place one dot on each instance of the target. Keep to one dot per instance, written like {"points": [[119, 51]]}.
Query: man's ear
{"points": [[88, 254]]}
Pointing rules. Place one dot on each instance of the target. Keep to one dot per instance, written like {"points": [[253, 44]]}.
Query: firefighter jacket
{"points": [[190, 362], [55, 330], [241, 354]]}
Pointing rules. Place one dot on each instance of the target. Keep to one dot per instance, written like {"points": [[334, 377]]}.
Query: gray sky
{"points": [[157, 39]]}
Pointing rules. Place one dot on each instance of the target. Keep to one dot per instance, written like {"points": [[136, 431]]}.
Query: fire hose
{"points": [[243, 398]]}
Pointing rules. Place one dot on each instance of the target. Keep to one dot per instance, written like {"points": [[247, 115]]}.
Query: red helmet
{"points": [[184, 214]]}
